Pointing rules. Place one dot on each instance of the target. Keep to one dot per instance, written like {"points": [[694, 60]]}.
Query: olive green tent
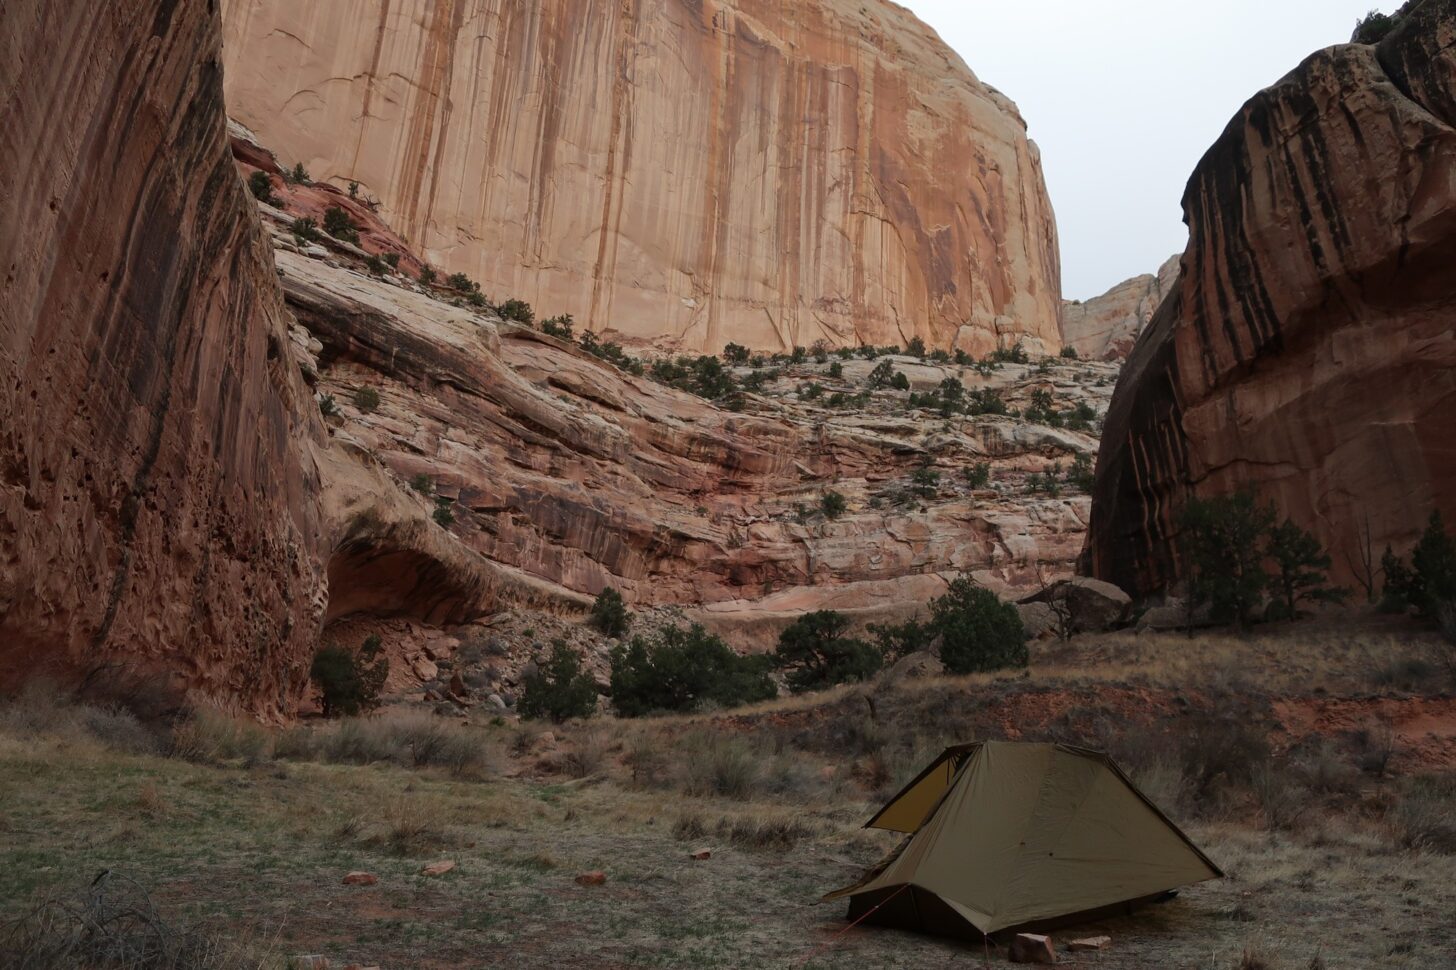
{"points": [[1007, 836]]}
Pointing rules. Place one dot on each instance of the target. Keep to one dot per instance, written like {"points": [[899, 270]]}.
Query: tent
{"points": [[1007, 836]]}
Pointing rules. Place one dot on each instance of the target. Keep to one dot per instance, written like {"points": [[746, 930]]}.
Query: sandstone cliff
{"points": [[1309, 351], [564, 475], [682, 172], [157, 501], [1107, 326]]}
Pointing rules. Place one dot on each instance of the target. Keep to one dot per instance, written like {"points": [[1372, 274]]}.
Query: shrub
{"points": [[558, 689], [338, 224], [1223, 545], [561, 326], [423, 484], [1396, 595], [391, 260], [427, 275], [817, 654], [1423, 817], [832, 504], [1082, 475], [305, 229], [1069, 352], [348, 683], [298, 175], [442, 515], [209, 737], [836, 370], [721, 767], [979, 474], [328, 407], [375, 265], [462, 283], [609, 613], [977, 631], [735, 354], [925, 482], [1433, 564], [1376, 26], [798, 355], [916, 348], [986, 401], [518, 310], [1302, 565], [901, 640], [703, 376], [366, 399], [882, 376], [680, 670], [900, 382], [1010, 355], [261, 185]]}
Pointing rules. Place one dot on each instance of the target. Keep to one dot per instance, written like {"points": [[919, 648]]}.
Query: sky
{"points": [[1125, 96]]}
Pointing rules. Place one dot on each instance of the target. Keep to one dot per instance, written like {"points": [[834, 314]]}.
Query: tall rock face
{"points": [[1107, 327], [157, 501], [683, 172], [1309, 351]]}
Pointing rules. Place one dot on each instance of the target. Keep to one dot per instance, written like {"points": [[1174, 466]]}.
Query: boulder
{"points": [[914, 666], [360, 879], [438, 868], [1031, 948], [594, 878], [1092, 606], [1039, 619]]}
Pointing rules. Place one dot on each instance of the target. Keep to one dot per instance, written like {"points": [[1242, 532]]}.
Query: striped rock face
{"points": [[1309, 349], [158, 505], [684, 173]]}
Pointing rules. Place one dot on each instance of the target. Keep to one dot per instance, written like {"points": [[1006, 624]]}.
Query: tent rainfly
{"points": [[1007, 836]]}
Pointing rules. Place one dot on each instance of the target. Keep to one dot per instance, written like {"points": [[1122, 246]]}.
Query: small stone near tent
{"points": [[1010, 837]]}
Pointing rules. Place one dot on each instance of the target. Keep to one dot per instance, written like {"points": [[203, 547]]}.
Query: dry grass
{"points": [[1335, 851]]}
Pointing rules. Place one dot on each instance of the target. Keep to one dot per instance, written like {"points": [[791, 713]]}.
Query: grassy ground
{"points": [[1335, 866]]}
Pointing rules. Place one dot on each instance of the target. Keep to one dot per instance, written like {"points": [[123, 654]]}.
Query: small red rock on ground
{"points": [[310, 961], [360, 879], [592, 879], [437, 868], [1030, 948], [701, 854]]}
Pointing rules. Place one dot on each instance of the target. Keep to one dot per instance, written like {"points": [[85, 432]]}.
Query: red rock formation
{"points": [[566, 475], [157, 504], [1309, 351], [1107, 326], [677, 171]]}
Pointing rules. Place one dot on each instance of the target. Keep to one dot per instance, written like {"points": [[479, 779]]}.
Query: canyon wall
{"points": [[1309, 350], [682, 172], [1107, 326], [157, 499]]}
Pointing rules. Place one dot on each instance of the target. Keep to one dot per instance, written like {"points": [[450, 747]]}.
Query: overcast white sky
{"points": [[1124, 97]]}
